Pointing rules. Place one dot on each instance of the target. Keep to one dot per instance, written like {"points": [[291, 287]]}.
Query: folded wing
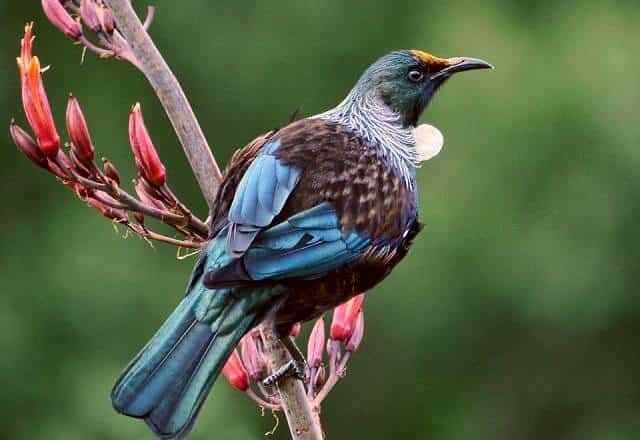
{"points": [[307, 245]]}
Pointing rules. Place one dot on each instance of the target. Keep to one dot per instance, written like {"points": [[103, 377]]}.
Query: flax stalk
{"points": [[171, 96]]}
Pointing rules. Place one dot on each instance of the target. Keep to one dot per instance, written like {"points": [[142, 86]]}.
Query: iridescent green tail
{"points": [[168, 381]]}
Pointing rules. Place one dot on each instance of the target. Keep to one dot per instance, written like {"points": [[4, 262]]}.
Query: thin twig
{"points": [[102, 53], [145, 233], [171, 97], [151, 12], [136, 205], [261, 402]]}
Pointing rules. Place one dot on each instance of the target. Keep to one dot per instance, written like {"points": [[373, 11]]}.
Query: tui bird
{"points": [[306, 217]]}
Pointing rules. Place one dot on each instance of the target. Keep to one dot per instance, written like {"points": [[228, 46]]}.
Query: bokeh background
{"points": [[516, 315]]}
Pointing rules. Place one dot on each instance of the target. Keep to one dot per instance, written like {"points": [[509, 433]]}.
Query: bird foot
{"points": [[292, 368]]}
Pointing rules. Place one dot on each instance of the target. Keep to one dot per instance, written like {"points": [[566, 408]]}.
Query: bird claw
{"points": [[292, 368]]}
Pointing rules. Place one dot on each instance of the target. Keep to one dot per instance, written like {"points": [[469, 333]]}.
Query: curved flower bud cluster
{"points": [[69, 17], [76, 168], [345, 336]]}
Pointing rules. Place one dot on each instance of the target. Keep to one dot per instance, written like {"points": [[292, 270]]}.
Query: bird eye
{"points": [[415, 76]]}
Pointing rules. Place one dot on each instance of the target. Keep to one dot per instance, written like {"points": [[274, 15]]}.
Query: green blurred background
{"points": [[516, 314]]}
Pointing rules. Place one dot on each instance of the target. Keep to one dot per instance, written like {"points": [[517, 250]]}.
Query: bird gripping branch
{"points": [[305, 219]]}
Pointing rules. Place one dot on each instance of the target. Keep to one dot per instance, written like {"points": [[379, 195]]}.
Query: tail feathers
{"points": [[167, 383], [176, 412]]}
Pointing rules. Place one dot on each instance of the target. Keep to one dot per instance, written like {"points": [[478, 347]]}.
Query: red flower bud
{"points": [[60, 173], [89, 11], [105, 198], [319, 378], [106, 20], [111, 172], [79, 166], [334, 352], [118, 215], [315, 346], [60, 18], [344, 317], [145, 154], [79, 132], [251, 358], [295, 330], [34, 98], [145, 196], [139, 218], [80, 190], [358, 333], [27, 145], [235, 372], [64, 162]]}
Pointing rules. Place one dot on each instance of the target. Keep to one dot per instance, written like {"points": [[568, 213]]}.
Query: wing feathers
{"points": [[261, 195], [306, 246]]}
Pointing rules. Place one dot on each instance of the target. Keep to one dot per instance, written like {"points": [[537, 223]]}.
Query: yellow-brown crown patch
{"points": [[430, 60]]}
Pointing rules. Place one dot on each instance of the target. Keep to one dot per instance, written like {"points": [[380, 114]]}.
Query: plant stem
{"points": [[304, 423], [171, 96]]}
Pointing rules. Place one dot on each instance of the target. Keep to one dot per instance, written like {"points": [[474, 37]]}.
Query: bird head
{"points": [[407, 80]]}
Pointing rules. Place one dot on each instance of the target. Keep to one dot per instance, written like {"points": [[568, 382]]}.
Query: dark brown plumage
{"points": [[337, 167]]}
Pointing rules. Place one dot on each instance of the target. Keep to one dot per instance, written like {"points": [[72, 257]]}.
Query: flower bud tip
{"points": [[60, 18], [235, 372], [315, 346]]}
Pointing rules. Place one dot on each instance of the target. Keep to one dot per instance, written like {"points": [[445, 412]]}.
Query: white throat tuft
{"points": [[382, 128]]}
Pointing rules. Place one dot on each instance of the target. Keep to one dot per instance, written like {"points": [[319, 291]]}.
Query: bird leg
{"points": [[296, 367]]}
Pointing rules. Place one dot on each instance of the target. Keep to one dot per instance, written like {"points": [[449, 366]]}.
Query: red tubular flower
{"points": [[344, 317], [34, 98], [315, 346], [89, 11], [111, 171], [106, 20], [144, 152], [251, 358], [235, 372], [319, 378], [295, 330], [358, 333], [78, 166], [145, 197], [27, 145], [60, 18], [79, 132]]}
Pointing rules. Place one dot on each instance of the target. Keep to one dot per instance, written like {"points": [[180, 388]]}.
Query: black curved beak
{"points": [[460, 64]]}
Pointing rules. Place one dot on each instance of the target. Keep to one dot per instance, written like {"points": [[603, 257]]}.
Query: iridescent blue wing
{"points": [[259, 198], [307, 245]]}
